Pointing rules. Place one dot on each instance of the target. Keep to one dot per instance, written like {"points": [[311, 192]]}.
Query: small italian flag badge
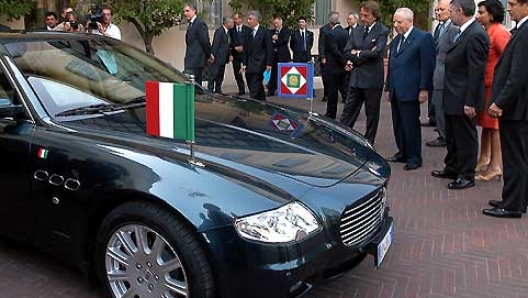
{"points": [[43, 153]]}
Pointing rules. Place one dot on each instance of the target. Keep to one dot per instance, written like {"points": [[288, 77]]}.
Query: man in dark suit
{"points": [[222, 51], [321, 47], [238, 34], [444, 33], [280, 37], [352, 21], [51, 20], [198, 49], [301, 43], [509, 102], [334, 73], [463, 95], [364, 52], [258, 56], [409, 81]]}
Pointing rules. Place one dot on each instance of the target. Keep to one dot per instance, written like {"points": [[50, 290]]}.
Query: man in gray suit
{"points": [[222, 50], [444, 33], [364, 52], [198, 48]]}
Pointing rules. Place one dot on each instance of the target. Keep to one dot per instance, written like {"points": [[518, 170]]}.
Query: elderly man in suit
{"points": [[509, 102], [444, 33], [238, 35], [198, 47], [334, 73], [301, 42], [364, 52], [258, 56], [352, 21], [409, 81], [222, 51], [280, 37], [463, 95]]}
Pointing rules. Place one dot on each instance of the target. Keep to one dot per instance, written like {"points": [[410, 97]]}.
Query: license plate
{"points": [[384, 245]]}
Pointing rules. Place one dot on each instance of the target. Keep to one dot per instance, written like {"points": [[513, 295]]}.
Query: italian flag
{"points": [[43, 153], [170, 110]]}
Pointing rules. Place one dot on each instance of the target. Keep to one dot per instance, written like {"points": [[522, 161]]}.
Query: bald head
{"points": [[442, 13]]}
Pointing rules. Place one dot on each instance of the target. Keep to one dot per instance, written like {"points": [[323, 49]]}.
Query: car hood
{"points": [[257, 139]]}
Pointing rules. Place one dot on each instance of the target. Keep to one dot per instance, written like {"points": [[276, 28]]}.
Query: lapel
{"points": [[406, 43], [369, 39], [463, 35], [510, 43]]}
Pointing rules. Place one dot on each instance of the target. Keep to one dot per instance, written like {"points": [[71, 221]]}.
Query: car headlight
{"points": [[289, 223]]}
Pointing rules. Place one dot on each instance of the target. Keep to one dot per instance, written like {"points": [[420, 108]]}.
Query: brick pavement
{"points": [[443, 246]]}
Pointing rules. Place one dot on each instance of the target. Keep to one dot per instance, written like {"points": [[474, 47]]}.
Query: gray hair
{"points": [[356, 16], [333, 17], [190, 5], [468, 6], [226, 20], [254, 13], [407, 13]]}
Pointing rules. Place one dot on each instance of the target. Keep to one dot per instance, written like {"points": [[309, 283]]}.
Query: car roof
{"points": [[11, 37]]}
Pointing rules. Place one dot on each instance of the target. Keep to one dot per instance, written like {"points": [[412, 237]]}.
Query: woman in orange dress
{"points": [[491, 14]]}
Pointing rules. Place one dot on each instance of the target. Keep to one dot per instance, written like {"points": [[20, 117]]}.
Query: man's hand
{"points": [[268, 67], [423, 96], [470, 111], [323, 61], [230, 58], [211, 60], [349, 66], [239, 49], [494, 111], [242, 69], [388, 96]]}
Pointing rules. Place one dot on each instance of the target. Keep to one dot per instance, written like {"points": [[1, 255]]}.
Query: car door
{"points": [[17, 212]]}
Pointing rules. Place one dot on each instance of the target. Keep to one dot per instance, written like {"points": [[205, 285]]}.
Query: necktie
{"points": [[239, 29], [457, 36], [514, 31], [303, 40], [190, 25], [254, 33], [438, 31], [400, 44], [366, 32]]}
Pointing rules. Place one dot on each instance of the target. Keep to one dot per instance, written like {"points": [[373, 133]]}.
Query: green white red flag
{"points": [[170, 110]]}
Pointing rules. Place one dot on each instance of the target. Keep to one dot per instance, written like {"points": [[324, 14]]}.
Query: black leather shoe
{"points": [[396, 159], [411, 166], [461, 184], [439, 142], [502, 213], [498, 204], [444, 174]]}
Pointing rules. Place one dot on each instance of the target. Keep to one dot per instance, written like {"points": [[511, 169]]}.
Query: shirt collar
{"points": [[406, 35], [519, 24], [371, 26], [193, 19], [466, 25]]}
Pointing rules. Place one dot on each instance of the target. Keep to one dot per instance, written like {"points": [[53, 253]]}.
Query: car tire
{"points": [[144, 251]]}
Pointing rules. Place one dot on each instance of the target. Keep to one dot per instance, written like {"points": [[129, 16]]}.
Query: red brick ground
{"points": [[443, 246]]}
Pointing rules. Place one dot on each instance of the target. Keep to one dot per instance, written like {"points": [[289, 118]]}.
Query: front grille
{"points": [[360, 220]]}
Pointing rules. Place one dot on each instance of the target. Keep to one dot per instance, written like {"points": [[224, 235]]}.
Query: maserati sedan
{"points": [[267, 202]]}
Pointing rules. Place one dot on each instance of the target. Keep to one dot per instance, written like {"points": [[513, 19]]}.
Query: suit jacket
{"points": [[280, 46], [444, 43], [464, 71], [411, 70], [349, 28], [239, 39], [259, 51], [335, 41], [198, 46], [368, 71], [321, 41], [296, 45], [509, 90], [221, 49]]}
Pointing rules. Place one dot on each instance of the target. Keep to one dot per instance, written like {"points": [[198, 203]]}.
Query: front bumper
{"points": [[246, 269]]}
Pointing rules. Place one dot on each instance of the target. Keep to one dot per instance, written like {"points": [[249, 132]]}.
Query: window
{"points": [[322, 8]]}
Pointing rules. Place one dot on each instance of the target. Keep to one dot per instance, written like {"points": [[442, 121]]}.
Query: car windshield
{"points": [[74, 74]]}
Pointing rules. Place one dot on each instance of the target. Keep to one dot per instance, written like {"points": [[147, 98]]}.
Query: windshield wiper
{"points": [[104, 108]]}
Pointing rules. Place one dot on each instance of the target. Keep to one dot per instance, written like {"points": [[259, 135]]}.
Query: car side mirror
{"points": [[9, 111]]}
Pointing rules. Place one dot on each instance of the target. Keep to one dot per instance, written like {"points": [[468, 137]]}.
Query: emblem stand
{"points": [[192, 160]]}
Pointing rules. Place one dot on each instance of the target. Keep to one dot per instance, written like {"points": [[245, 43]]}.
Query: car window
{"points": [[73, 73], [6, 89]]}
